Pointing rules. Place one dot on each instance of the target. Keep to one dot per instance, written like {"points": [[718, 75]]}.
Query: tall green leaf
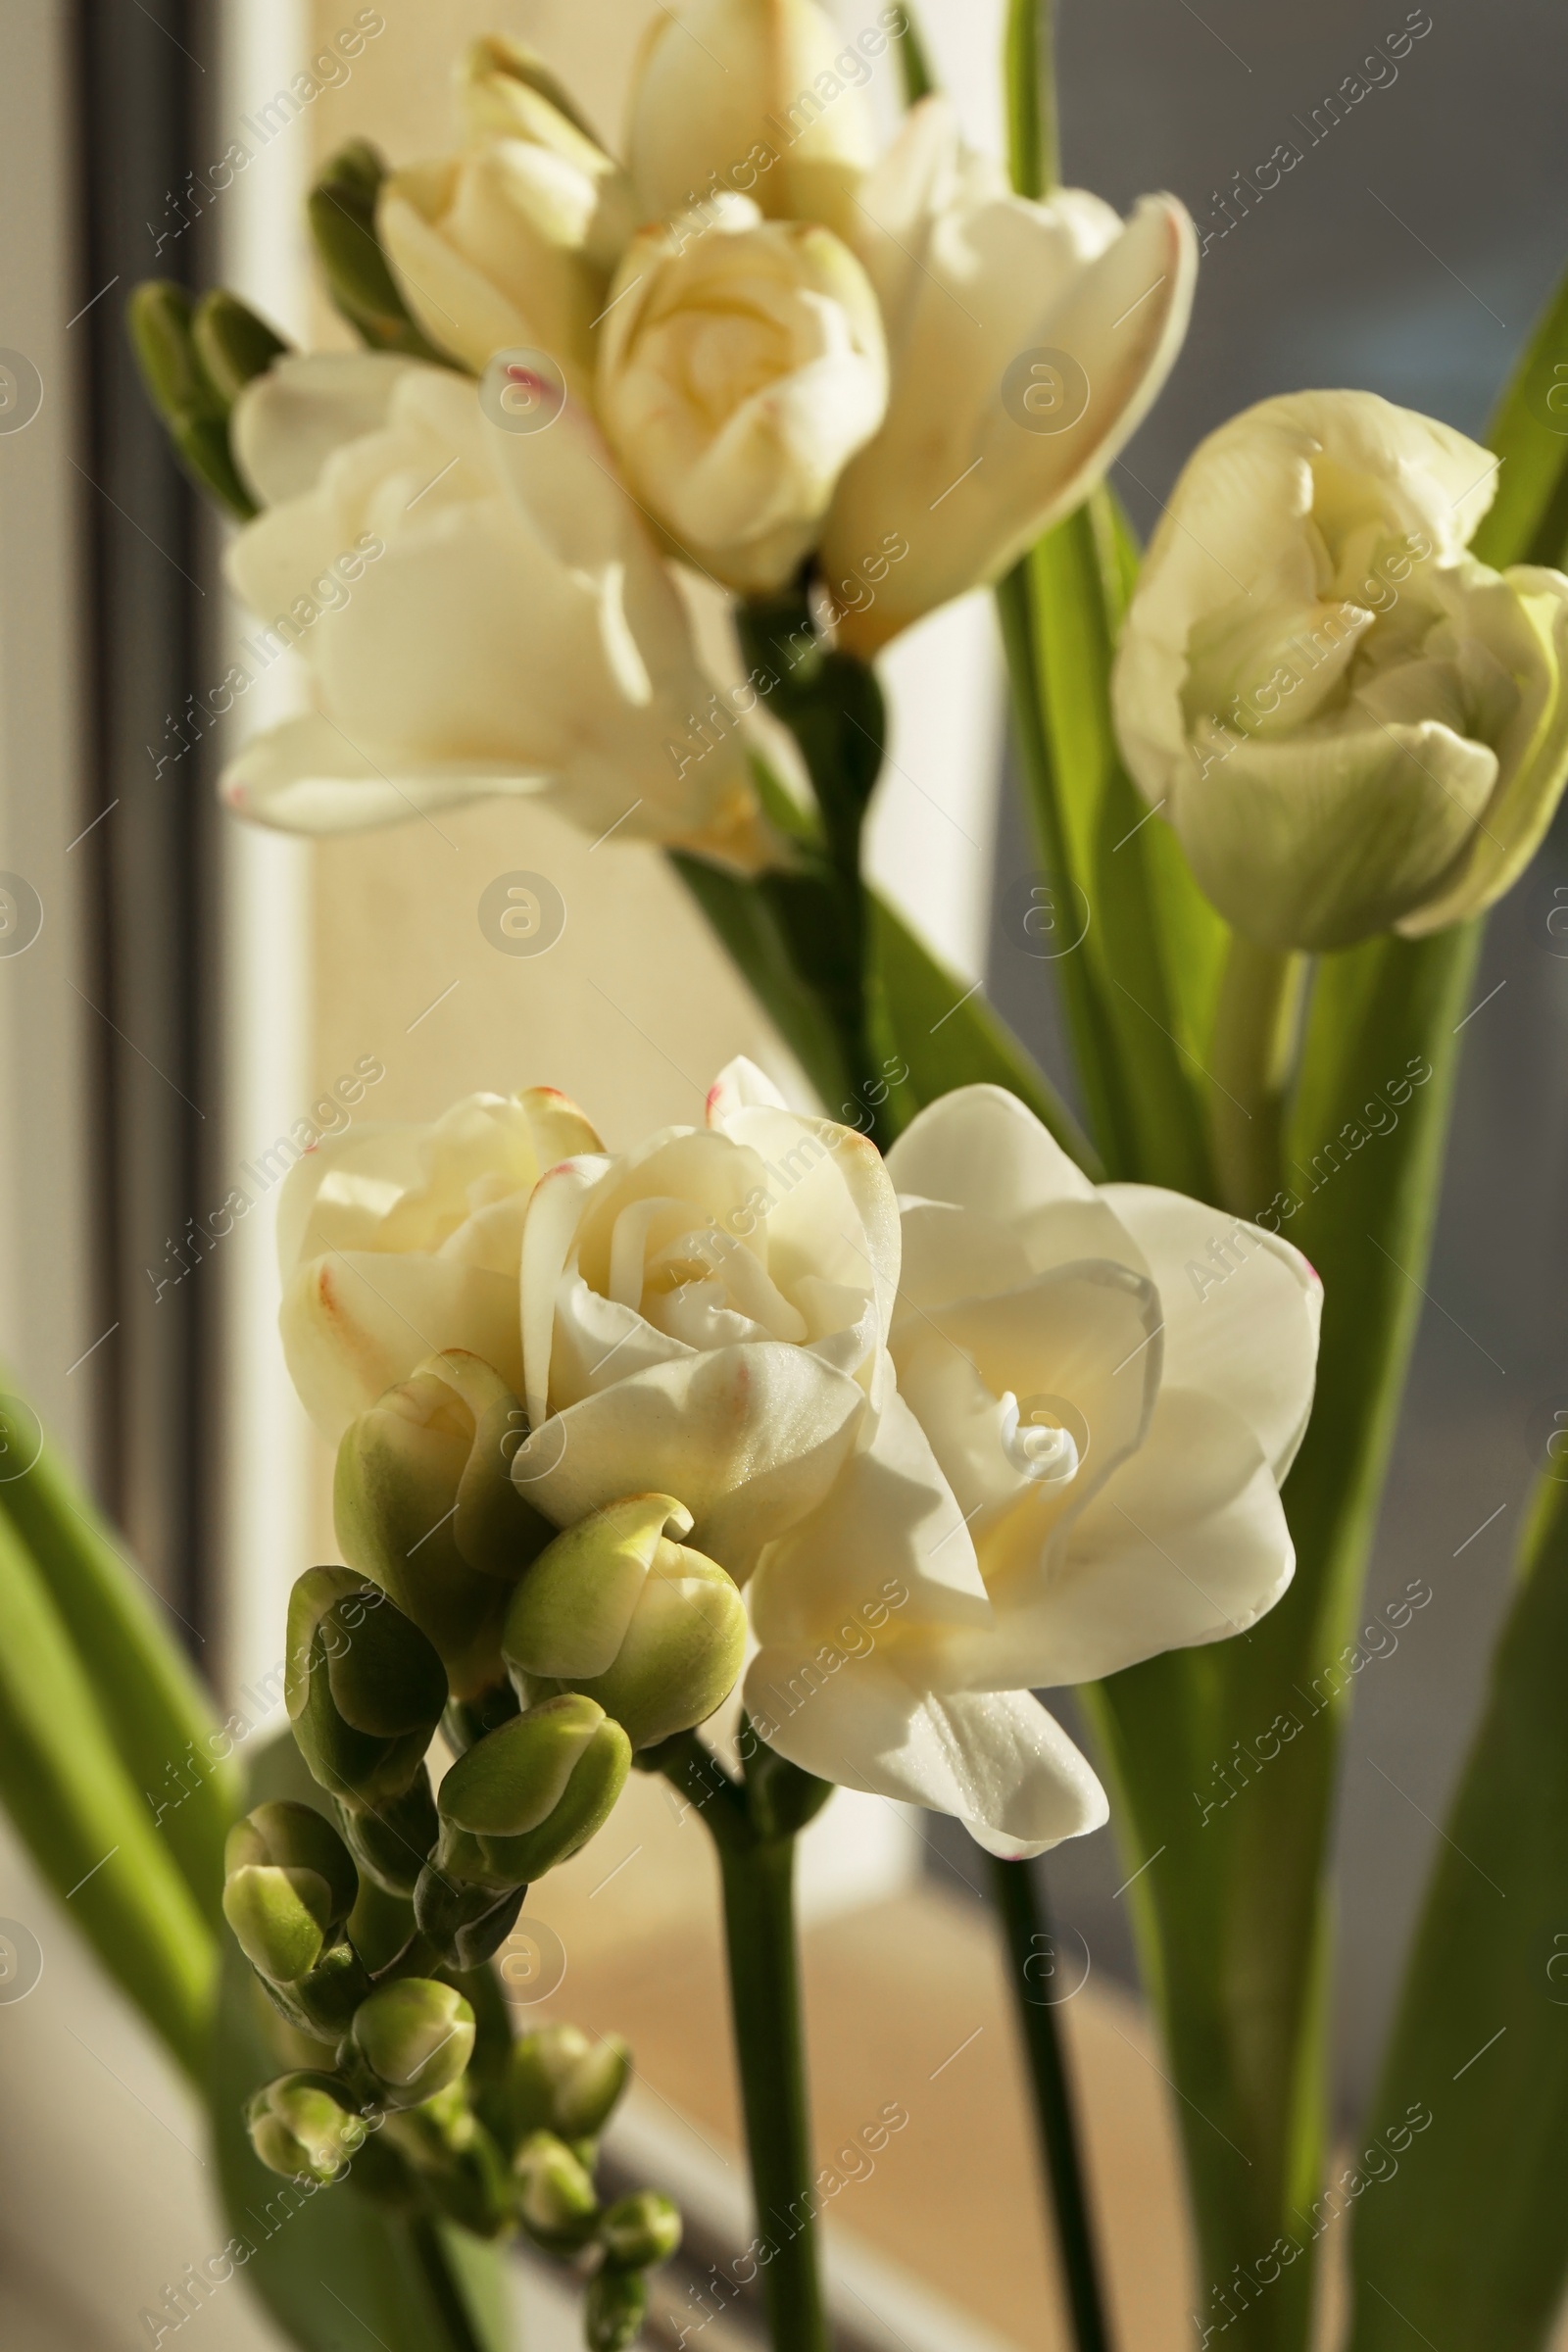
{"points": [[1528, 520], [1467, 2241], [1233, 1913], [950, 1037], [160, 1721], [86, 1826], [1139, 987]]}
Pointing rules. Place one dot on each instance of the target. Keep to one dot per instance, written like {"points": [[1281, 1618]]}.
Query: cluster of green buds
{"points": [[544, 1658], [410, 2096], [560, 2089]]}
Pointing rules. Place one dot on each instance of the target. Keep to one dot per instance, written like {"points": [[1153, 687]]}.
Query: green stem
{"points": [[832, 705], [456, 2321], [918, 79], [1034, 137], [1256, 1025], [1027, 1922], [766, 2003], [753, 1824]]}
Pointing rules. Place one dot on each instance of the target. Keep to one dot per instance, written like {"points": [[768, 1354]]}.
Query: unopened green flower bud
{"points": [[341, 208], [556, 2196], [614, 2309], [299, 2126], [457, 2160], [425, 1504], [232, 344], [531, 1794], [392, 1840], [288, 1882], [364, 1687], [561, 2079], [381, 1923], [653, 1631], [193, 410], [467, 1923], [640, 2231], [415, 2038]]}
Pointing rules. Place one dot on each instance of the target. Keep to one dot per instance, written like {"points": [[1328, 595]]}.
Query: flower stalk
{"points": [[1026, 1923], [1256, 1024], [753, 1824], [832, 705]]}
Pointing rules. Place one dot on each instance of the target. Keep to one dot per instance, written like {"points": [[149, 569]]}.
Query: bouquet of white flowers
{"points": [[876, 1419]]}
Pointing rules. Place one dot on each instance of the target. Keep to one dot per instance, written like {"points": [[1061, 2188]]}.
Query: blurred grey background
{"points": [[1409, 251]]}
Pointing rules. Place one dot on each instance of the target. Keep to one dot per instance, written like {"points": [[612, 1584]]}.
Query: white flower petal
{"points": [[286, 423], [832, 1213], [357, 1322], [749, 1439], [994, 1760], [888, 1531], [982, 1148], [306, 776], [1242, 1311], [1186, 1543], [548, 1239], [741, 1085]]}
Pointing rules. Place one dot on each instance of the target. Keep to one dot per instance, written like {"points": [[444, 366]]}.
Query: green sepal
{"points": [[468, 1923], [532, 1794], [193, 410], [391, 1841], [365, 1689], [232, 344], [341, 209]]}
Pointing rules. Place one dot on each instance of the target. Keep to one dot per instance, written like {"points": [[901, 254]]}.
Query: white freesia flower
{"points": [[397, 1243], [761, 96], [740, 366], [1351, 723], [1099, 1394], [511, 242], [510, 627], [705, 1316], [1027, 341]]}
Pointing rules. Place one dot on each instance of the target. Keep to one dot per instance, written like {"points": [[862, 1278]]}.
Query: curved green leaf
{"points": [[1528, 519], [950, 1037], [1467, 2242], [153, 1709], [1139, 989], [86, 1826]]}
